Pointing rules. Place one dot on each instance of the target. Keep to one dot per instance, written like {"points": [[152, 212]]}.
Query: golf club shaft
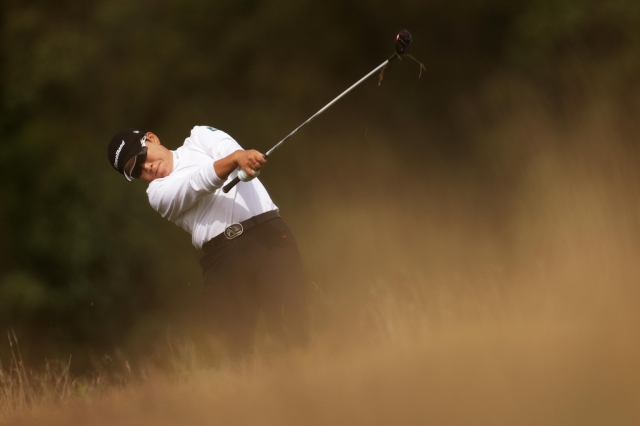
{"points": [[235, 181], [328, 105]]}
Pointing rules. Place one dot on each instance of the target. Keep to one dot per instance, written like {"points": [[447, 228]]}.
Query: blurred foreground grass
{"points": [[478, 299]]}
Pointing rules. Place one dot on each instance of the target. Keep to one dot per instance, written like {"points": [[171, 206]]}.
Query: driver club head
{"points": [[403, 41]]}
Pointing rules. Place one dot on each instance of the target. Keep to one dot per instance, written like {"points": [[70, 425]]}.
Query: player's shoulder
{"points": [[207, 134], [161, 190], [154, 193], [158, 185]]}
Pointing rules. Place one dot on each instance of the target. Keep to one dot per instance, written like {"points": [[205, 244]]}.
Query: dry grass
{"points": [[22, 389], [517, 313]]}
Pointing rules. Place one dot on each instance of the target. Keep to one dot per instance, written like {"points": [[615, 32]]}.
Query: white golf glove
{"points": [[246, 177]]}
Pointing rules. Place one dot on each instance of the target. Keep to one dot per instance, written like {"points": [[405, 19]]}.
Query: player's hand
{"points": [[250, 161]]}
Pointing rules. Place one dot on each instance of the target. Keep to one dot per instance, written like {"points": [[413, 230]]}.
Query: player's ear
{"points": [[151, 137]]}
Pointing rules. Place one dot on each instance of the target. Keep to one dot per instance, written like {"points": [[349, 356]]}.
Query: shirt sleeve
{"points": [[171, 196], [215, 143]]}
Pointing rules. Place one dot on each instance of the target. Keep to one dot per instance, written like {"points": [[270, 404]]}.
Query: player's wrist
{"points": [[235, 157]]}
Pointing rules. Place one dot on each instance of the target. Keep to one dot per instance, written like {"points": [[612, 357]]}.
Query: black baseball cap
{"points": [[124, 146]]}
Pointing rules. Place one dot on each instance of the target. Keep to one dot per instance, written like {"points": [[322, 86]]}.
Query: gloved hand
{"points": [[246, 177]]}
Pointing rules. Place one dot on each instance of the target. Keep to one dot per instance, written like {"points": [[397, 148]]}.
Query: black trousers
{"points": [[258, 270]]}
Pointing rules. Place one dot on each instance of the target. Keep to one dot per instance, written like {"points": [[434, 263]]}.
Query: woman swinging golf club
{"points": [[251, 260]]}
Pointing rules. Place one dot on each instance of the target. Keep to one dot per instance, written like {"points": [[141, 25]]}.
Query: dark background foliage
{"points": [[88, 268]]}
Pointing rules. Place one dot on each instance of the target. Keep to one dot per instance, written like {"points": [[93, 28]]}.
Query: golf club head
{"points": [[403, 41]]}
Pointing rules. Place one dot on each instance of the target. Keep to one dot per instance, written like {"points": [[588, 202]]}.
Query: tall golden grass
{"points": [[22, 389], [450, 302]]}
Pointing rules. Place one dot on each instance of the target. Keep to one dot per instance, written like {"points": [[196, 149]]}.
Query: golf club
{"points": [[403, 41]]}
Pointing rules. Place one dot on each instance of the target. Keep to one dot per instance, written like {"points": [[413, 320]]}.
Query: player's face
{"points": [[159, 161]]}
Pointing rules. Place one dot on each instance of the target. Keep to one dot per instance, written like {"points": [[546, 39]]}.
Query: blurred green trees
{"points": [[87, 266]]}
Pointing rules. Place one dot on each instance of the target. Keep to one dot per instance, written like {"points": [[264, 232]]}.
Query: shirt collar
{"points": [[176, 160]]}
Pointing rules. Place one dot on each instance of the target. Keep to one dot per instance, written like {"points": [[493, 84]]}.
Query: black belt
{"points": [[234, 230]]}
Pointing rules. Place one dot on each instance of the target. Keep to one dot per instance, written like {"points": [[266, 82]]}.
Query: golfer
{"points": [[251, 261]]}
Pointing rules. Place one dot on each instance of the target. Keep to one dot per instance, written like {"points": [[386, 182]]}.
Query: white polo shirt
{"points": [[191, 196]]}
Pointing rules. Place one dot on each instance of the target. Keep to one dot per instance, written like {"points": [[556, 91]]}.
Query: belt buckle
{"points": [[232, 231]]}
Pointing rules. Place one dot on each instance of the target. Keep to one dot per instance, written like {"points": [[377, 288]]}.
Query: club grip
{"points": [[230, 185]]}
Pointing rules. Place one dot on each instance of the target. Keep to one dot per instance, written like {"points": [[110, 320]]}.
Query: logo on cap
{"points": [[118, 155]]}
